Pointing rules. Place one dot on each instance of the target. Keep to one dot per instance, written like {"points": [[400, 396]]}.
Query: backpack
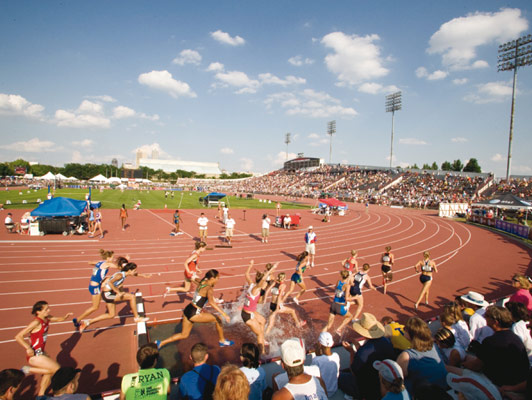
{"points": [[208, 390]]}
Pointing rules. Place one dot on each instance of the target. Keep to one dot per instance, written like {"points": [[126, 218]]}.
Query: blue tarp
{"points": [[60, 207], [216, 194]]}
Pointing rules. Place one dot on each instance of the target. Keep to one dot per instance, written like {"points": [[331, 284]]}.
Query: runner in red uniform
{"points": [[350, 263], [191, 270], [38, 360]]}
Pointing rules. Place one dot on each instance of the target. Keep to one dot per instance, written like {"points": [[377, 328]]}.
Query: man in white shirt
{"points": [[229, 226], [328, 363], [477, 323], [202, 224], [11, 225]]}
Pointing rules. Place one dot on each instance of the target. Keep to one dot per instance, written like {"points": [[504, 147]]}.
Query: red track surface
{"points": [[55, 269]]}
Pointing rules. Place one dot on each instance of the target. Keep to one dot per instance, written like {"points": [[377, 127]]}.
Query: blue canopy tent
{"points": [[60, 207], [60, 215], [212, 198]]}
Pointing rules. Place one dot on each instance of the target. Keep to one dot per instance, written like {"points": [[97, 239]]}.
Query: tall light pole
{"points": [[287, 141], [393, 104], [331, 130], [513, 55]]}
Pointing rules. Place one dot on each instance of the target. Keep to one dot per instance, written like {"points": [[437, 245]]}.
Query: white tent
{"points": [[122, 186], [114, 179], [98, 178], [71, 178], [48, 176], [61, 177]]}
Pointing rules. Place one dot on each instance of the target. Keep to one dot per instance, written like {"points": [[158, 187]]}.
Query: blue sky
{"points": [[225, 81]]}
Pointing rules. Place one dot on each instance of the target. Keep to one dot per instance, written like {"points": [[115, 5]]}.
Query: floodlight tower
{"points": [[287, 141], [393, 104], [331, 130], [513, 55]]}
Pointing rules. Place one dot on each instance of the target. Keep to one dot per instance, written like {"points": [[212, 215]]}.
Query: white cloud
{"points": [[215, 67], [422, 72], [498, 157], [317, 140], [226, 150], [460, 81], [148, 149], [355, 59], [89, 107], [13, 104], [311, 103], [188, 56], [247, 164], [83, 143], [491, 92], [34, 145], [224, 37], [105, 98], [73, 120], [376, 88], [238, 79], [457, 40], [412, 141], [163, 80], [459, 140], [298, 61], [123, 112], [274, 80], [154, 117]]}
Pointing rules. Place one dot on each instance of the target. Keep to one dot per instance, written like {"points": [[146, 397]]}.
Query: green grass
{"points": [[154, 199]]}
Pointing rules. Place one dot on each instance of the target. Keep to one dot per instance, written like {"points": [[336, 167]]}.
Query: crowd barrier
{"points": [[515, 229]]}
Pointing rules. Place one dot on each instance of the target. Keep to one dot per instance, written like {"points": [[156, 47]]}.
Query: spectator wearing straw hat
{"points": [[471, 385], [328, 362], [363, 381], [300, 385], [391, 380], [477, 323], [502, 357]]}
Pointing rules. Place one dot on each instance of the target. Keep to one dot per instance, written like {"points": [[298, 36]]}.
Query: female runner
{"points": [[251, 318], [270, 282], [123, 216], [297, 277], [427, 266], [387, 264], [112, 293], [194, 312], [38, 360], [340, 306], [99, 272], [97, 224], [191, 270], [350, 263], [355, 291], [277, 306]]}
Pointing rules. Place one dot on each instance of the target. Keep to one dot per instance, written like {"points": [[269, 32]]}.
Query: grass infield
{"points": [[151, 199]]}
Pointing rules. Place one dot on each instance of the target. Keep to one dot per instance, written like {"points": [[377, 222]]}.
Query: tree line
{"points": [[87, 171], [457, 165]]}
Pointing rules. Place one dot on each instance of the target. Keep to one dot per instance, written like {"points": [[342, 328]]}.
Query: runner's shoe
{"points": [[158, 344], [84, 325], [75, 322], [226, 343]]}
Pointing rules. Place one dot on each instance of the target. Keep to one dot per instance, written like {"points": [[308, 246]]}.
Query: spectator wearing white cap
{"points": [[300, 385], [310, 244], [502, 357], [363, 381], [328, 362], [477, 323], [469, 385], [391, 380]]}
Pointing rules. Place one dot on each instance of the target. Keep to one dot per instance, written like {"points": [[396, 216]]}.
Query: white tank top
{"points": [[309, 390]]}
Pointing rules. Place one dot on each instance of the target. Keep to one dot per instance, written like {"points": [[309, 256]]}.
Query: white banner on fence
{"points": [[450, 210]]}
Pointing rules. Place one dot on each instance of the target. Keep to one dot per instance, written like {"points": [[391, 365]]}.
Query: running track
{"points": [[55, 269]]}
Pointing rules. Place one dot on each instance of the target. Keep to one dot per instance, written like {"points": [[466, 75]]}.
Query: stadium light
{"points": [[393, 104], [287, 141], [513, 55], [331, 130]]}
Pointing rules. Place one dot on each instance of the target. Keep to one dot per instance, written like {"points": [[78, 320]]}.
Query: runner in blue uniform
{"points": [[99, 272], [340, 306], [297, 277]]}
